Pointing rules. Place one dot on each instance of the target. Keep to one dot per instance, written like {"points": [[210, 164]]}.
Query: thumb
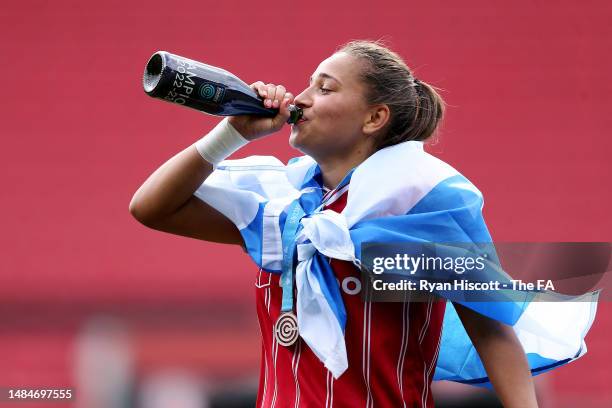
{"points": [[283, 110]]}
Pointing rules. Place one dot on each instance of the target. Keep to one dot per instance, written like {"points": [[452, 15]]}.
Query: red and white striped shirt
{"points": [[392, 349]]}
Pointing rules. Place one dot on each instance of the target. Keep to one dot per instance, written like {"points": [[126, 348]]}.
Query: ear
{"points": [[376, 119]]}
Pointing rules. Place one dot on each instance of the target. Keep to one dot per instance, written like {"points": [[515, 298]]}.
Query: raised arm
{"points": [[165, 201], [502, 356]]}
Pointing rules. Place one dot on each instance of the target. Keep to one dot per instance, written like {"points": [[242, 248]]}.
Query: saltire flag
{"points": [[399, 194]]}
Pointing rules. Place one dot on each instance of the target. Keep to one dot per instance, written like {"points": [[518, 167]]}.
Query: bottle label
{"points": [[211, 92], [182, 82]]}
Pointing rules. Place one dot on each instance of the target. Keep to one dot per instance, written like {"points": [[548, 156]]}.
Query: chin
{"points": [[308, 144], [296, 140]]}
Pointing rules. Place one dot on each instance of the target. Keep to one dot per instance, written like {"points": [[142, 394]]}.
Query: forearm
{"points": [[503, 358], [174, 183], [171, 185]]}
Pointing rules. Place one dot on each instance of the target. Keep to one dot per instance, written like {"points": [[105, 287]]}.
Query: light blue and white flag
{"points": [[399, 194]]}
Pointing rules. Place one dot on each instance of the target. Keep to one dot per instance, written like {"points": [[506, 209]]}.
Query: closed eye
{"points": [[324, 90]]}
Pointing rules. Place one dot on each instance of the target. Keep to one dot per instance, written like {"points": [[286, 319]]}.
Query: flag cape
{"points": [[399, 194]]}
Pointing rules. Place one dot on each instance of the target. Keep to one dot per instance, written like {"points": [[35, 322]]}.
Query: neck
{"points": [[333, 169]]}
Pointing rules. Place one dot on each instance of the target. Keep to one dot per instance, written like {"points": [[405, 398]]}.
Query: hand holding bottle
{"points": [[276, 97], [236, 131]]}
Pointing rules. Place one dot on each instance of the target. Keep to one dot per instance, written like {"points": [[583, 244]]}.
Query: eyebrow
{"points": [[324, 75]]}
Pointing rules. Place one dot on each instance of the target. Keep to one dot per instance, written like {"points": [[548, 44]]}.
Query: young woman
{"points": [[359, 101]]}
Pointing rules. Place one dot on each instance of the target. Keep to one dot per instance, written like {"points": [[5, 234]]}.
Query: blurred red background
{"points": [[528, 122]]}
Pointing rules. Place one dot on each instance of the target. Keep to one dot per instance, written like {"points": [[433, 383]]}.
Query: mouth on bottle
{"points": [[153, 71], [295, 114], [299, 123]]}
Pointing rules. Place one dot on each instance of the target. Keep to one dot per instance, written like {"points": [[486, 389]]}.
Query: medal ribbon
{"points": [[294, 215], [292, 223]]}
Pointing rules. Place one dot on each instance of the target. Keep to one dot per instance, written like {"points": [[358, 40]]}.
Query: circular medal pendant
{"points": [[285, 329]]}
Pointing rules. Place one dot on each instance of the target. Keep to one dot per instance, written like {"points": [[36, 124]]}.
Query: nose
{"points": [[303, 100]]}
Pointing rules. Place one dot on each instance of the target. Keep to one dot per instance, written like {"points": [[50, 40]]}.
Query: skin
{"points": [[340, 127], [339, 132]]}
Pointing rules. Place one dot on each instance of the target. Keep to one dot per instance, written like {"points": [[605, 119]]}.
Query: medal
{"points": [[285, 329]]}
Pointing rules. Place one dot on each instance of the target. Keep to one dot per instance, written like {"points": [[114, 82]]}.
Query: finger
{"points": [[283, 111], [278, 96], [259, 87], [287, 100], [271, 91]]}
